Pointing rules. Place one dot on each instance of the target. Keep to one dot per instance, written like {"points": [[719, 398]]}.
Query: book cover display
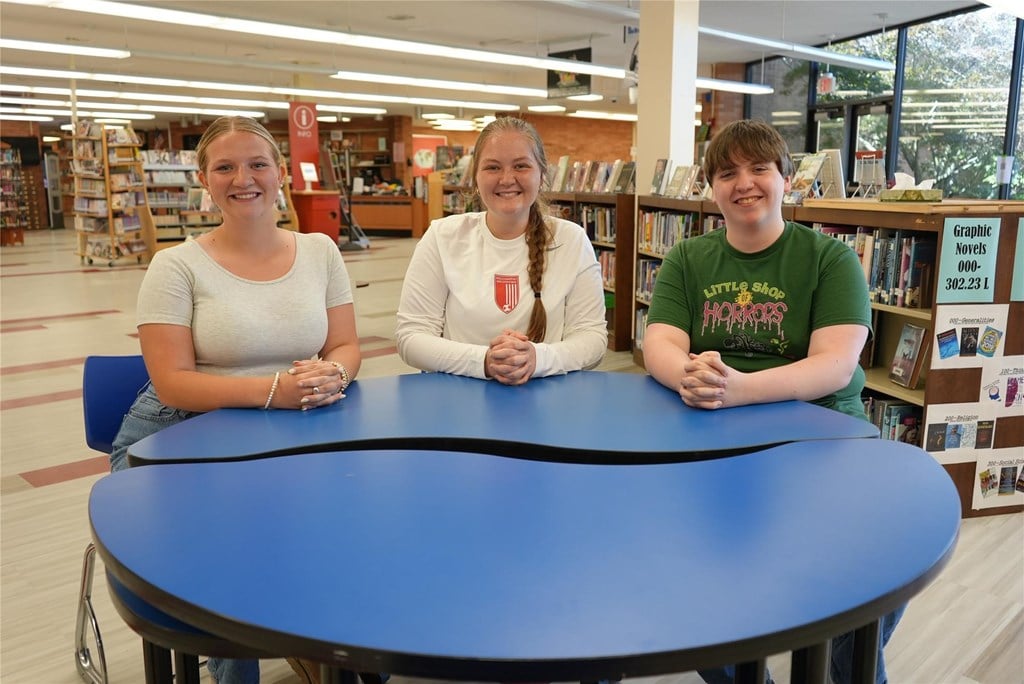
{"points": [[906, 365]]}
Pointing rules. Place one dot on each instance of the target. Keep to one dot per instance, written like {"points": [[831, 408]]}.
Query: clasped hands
{"points": [[511, 358], [705, 380], [315, 383]]}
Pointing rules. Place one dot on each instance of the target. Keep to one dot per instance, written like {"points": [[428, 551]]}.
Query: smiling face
{"points": [[508, 176], [749, 194], [242, 176]]}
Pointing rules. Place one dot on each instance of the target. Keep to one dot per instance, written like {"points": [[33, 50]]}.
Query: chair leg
{"points": [[157, 663], [91, 670], [186, 668]]}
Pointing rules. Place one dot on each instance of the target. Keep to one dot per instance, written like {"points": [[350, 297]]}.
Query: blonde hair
{"points": [[230, 124], [538, 235], [750, 140]]}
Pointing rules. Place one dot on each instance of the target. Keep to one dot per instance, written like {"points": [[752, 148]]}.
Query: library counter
{"points": [[587, 416]]}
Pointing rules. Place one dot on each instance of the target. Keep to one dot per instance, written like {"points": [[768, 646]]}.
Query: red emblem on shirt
{"points": [[506, 292]]}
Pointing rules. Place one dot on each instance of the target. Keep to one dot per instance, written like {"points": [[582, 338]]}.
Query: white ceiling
{"points": [[522, 27]]}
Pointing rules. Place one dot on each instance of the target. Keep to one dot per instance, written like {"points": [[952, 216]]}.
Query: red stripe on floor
{"points": [[67, 471], [60, 317], [40, 399], [21, 328], [28, 367]]}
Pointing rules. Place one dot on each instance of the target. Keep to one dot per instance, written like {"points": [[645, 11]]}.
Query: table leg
{"points": [[157, 661], [186, 668], [865, 652], [810, 665], [334, 675], [752, 672]]}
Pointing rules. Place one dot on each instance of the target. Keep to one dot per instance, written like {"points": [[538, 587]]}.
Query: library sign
{"points": [[968, 262]]}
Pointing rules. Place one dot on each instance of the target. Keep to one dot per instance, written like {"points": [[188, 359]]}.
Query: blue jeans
{"points": [[148, 416], [841, 663]]}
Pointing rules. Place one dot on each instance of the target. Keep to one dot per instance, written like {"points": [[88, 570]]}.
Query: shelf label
{"points": [[967, 266]]}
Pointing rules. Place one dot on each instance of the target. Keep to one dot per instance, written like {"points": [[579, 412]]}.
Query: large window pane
{"points": [[955, 97], [786, 108]]}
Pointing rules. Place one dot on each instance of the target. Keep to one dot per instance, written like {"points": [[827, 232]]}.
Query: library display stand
{"points": [[14, 206], [947, 288], [111, 208], [173, 189]]}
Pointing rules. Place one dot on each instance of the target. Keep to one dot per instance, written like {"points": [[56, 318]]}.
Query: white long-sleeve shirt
{"points": [[464, 287]]}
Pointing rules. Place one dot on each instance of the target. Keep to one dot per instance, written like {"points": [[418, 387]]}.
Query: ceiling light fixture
{"points": [[245, 88], [391, 79], [541, 109], [780, 47], [732, 86], [263, 28], [589, 97], [610, 116], [63, 49]]}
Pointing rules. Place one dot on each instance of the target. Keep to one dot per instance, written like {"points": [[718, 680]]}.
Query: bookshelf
{"points": [[361, 152], [171, 181], [111, 210], [14, 205], [952, 390]]}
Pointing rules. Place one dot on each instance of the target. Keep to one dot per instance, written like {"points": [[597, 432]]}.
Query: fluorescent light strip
{"points": [[67, 113], [589, 97], [239, 87], [610, 116], [158, 97], [63, 49], [436, 83], [261, 28], [23, 117], [801, 51], [131, 107], [540, 109], [733, 86]]}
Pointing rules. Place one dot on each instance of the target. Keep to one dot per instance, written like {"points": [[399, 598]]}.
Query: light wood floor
{"points": [[968, 626]]}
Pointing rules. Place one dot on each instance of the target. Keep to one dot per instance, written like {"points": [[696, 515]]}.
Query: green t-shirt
{"points": [[758, 310]]}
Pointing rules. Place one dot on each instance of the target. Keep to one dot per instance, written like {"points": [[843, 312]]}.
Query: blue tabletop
{"points": [[587, 416], [461, 565]]}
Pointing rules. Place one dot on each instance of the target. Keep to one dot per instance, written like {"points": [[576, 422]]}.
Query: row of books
{"points": [[896, 420], [105, 249], [165, 177], [658, 231], [91, 186], [125, 181], [898, 265], [174, 199], [169, 157], [90, 224], [641, 327], [592, 176], [606, 259], [646, 275], [679, 182], [599, 222], [122, 136]]}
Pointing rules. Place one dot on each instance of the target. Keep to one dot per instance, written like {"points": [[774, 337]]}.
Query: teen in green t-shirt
{"points": [[764, 310]]}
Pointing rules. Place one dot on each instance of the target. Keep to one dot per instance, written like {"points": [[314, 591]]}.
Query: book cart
{"points": [[918, 279], [111, 210]]}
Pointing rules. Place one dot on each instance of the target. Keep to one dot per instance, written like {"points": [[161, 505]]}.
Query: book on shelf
{"points": [[589, 176], [613, 176], [806, 176], [659, 178], [561, 171], [690, 184], [624, 182], [907, 362], [674, 186], [600, 177], [920, 270]]}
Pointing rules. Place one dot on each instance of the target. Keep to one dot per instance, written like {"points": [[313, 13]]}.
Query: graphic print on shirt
{"points": [[506, 292], [749, 319]]}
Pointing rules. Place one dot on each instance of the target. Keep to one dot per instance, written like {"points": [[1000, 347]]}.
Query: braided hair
{"points": [[538, 234]]}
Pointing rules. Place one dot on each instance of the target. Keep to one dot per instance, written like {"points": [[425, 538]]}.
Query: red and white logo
{"points": [[506, 292]]}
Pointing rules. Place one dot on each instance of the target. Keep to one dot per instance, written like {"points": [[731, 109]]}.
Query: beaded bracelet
{"points": [[344, 374], [273, 388]]}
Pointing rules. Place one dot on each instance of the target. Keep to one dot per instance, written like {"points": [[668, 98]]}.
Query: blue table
{"points": [[469, 566], [587, 416]]}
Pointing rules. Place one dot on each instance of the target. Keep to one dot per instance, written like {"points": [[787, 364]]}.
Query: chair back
{"points": [[109, 386]]}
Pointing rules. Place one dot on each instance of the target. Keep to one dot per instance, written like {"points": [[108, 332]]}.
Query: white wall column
{"points": [[666, 92]]}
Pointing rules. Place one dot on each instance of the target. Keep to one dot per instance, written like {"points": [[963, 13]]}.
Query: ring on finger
{"points": [[316, 390]]}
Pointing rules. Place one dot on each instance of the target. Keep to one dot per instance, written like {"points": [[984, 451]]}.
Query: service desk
{"points": [[468, 566], [390, 212], [587, 416], [319, 211]]}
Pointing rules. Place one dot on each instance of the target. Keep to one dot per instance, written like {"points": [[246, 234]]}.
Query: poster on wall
{"points": [[424, 151], [1002, 386], [568, 83], [968, 336], [967, 267], [999, 479], [959, 433]]}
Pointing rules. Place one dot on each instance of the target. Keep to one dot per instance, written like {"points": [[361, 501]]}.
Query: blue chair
{"points": [[109, 386]]}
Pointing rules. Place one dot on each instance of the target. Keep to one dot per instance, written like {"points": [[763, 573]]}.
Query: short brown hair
{"points": [[229, 124], [748, 140]]}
